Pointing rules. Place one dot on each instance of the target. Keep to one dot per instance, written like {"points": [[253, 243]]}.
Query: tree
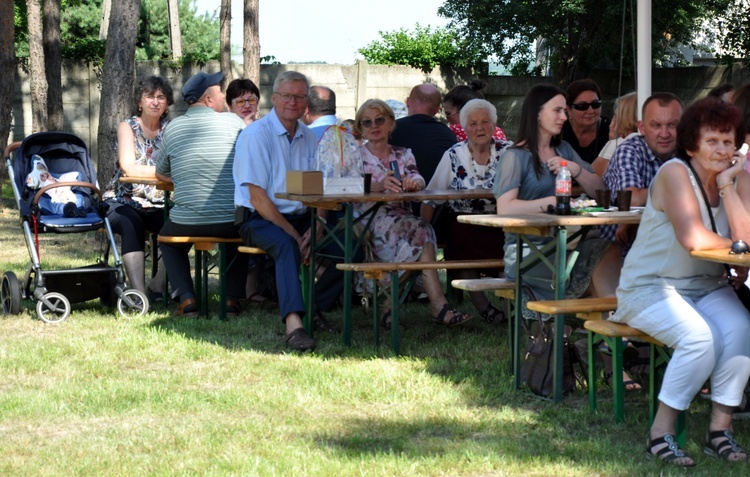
{"points": [[7, 65], [175, 34], [225, 42], [37, 79], [251, 42], [423, 48], [731, 29], [118, 78], [581, 34], [53, 64]]}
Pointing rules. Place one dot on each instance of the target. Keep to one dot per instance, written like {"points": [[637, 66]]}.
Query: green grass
{"points": [[157, 395]]}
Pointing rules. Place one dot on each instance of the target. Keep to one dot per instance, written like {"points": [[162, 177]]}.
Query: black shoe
{"points": [[299, 340], [70, 210]]}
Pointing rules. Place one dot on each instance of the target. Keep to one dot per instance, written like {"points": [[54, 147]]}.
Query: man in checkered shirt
{"points": [[635, 162]]}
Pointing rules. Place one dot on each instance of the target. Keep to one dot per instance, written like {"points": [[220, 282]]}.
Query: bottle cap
{"points": [[563, 163]]}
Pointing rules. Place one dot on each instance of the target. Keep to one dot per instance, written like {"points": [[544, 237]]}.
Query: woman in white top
{"points": [[687, 303]]}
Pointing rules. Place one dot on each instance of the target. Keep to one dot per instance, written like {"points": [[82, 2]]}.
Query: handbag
{"points": [[743, 292], [537, 368]]}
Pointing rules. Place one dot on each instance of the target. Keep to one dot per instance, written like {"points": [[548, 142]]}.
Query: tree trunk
{"points": [[38, 80], [104, 24], [251, 43], [52, 64], [225, 42], [8, 66], [118, 77], [175, 34]]}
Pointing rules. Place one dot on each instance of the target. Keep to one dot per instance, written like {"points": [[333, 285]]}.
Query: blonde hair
{"points": [[625, 110], [377, 104]]}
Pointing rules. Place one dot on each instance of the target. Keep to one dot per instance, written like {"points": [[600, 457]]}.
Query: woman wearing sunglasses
{"points": [[586, 131], [397, 234]]}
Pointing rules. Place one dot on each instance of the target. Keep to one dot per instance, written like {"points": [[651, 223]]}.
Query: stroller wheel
{"points": [[132, 303], [55, 310], [11, 294]]}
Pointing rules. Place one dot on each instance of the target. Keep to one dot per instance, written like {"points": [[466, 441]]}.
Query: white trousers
{"points": [[710, 337]]}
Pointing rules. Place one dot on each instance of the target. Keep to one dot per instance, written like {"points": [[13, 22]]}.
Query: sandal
{"points": [[458, 317], [726, 447], [490, 314], [669, 453], [627, 384], [321, 324], [385, 322]]}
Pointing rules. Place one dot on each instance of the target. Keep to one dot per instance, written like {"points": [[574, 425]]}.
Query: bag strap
{"points": [[705, 200]]}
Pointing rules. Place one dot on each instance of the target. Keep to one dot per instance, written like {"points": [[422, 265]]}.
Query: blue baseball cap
{"points": [[198, 84]]}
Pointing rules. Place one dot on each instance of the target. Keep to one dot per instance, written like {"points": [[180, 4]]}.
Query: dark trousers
{"points": [[259, 232], [131, 224], [175, 257]]}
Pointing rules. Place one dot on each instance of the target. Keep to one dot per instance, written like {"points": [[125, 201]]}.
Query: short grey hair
{"points": [[477, 105], [288, 76]]}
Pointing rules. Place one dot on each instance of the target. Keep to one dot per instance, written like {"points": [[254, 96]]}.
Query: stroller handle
{"points": [[10, 148], [88, 185]]}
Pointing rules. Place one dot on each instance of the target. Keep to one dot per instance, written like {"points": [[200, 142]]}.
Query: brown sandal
{"points": [[458, 317]]}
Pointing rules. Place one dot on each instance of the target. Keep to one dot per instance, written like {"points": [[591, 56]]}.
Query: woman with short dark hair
{"points": [[696, 202], [586, 130], [243, 97], [137, 208]]}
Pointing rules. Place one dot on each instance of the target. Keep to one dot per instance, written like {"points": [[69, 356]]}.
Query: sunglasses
{"points": [[241, 102], [584, 106], [367, 123]]}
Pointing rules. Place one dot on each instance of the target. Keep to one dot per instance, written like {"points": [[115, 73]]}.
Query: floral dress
{"points": [[458, 130], [146, 154], [396, 234]]}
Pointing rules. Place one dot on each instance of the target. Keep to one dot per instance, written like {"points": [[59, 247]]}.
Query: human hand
{"points": [[738, 278], [554, 164], [303, 241], [736, 164], [391, 183], [409, 184]]}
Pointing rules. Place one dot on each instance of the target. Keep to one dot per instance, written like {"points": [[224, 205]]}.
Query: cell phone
{"points": [[743, 149], [394, 167]]}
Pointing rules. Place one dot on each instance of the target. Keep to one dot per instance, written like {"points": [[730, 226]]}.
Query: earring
{"points": [[140, 109]]}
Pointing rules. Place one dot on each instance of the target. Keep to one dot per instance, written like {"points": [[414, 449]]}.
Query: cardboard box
{"points": [[304, 182]]}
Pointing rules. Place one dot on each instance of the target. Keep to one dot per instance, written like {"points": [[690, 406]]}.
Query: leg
{"points": [[128, 223], [438, 304]]}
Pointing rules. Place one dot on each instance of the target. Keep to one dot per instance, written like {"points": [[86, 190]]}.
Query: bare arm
{"points": [[162, 177], [509, 203], [126, 153], [673, 194], [589, 181]]}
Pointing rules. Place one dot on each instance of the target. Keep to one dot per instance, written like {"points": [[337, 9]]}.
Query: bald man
{"points": [[427, 138]]}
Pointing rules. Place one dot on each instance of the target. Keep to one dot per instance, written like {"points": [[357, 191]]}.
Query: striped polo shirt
{"points": [[197, 153]]}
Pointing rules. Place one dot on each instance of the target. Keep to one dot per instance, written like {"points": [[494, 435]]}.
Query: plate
{"points": [[616, 213]]}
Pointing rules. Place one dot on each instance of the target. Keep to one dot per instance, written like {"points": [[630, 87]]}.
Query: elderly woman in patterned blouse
{"points": [[471, 164]]}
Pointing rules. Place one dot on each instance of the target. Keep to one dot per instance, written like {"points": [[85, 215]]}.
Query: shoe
{"points": [[299, 340], [188, 308], [154, 296], [458, 317], [669, 453], [725, 448], [385, 322], [493, 315], [627, 384], [321, 324], [81, 213], [69, 210], [233, 308]]}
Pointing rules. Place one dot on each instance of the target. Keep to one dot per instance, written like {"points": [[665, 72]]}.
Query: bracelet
{"points": [[580, 170], [722, 192]]}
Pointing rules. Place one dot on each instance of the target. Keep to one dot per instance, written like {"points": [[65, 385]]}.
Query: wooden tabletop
{"points": [[539, 224], [334, 201], [161, 185], [722, 255]]}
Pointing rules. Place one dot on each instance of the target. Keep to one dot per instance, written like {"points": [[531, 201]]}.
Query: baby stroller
{"points": [[64, 155]]}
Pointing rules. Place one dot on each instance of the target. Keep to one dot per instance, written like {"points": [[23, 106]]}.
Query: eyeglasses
{"points": [[448, 114], [367, 123], [160, 98], [241, 102], [584, 106], [286, 97]]}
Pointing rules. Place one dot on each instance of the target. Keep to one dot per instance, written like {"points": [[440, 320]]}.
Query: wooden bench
{"points": [[251, 250], [594, 312], [378, 270], [203, 248]]}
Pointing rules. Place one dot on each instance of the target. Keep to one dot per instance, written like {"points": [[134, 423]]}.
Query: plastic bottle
{"points": [[563, 187]]}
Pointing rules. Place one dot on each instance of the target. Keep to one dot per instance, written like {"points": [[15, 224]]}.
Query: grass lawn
{"points": [[101, 395]]}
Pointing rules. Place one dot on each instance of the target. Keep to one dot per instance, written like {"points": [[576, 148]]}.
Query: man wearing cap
{"points": [[266, 150], [196, 156]]}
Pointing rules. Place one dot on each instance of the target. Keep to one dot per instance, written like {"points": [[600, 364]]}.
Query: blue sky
{"points": [[326, 30]]}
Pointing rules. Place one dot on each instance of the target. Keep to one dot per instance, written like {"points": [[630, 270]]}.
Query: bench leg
{"points": [[591, 351], [375, 313], [658, 358], [222, 281], [510, 320], [618, 386], [395, 332], [198, 284]]}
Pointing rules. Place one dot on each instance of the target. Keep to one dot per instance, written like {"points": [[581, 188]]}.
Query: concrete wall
{"points": [[353, 85]]}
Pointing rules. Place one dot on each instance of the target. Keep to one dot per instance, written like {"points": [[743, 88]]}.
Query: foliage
{"points": [[578, 34], [732, 29], [81, 19], [423, 48]]}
